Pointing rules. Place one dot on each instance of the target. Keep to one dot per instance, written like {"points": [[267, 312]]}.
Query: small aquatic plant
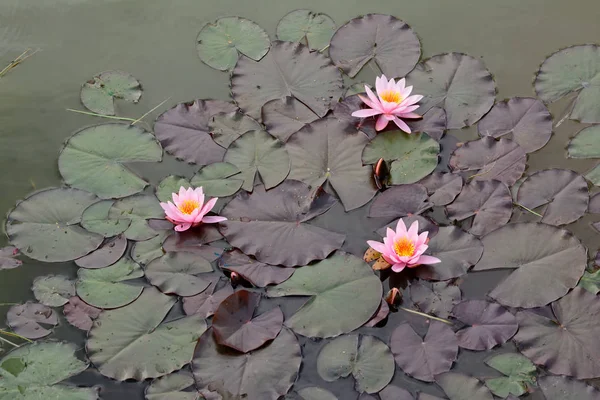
{"points": [[189, 209]]}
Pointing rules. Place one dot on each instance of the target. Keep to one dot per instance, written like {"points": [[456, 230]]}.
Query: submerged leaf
{"points": [[53, 290], [304, 25], [218, 179], [490, 324], [98, 94], [519, 372], [27, 319], [178, 273]]}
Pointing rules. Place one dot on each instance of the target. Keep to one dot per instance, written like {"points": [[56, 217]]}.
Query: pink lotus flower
{"points": [[404, 248], [189, 209], [393, 103]]}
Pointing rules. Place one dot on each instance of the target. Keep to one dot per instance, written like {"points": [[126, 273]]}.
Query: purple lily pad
{"points": [[7, 258], [284, 117], [563, 388], [380, 315], [433, 123], [343, 110], [400, 201], [391, 392], [235, 326], [107, 254], [257, 273], [526, 120], [503, 159], [594, 205], [565, 192], [423, 359], [460, 387], [489, 201], [28, 319], [442, 187], [490, 324], [184, 132], [207, 302], [436, 298], [427, 396], [195, 241], [80, 314]]}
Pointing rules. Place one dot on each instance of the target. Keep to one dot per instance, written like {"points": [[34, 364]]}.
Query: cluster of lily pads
{"points": [[285, 154]]}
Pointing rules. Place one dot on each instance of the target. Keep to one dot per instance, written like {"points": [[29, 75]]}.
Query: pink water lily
{"points": [[392, 104], [404, 248], [190, 209]]}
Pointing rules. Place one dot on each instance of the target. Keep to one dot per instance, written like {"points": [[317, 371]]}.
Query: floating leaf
{"points": [[53, 290], [462, 387], [266, 373], [503, 159], [195, 241], [169, 185], [575, 69], [489, 201], [345, 294], [381, 314], [458, 83], [145, 251], [590, 281], [284, 117], [170, 387], [566, 343], [356, 88], [98, 94], [316, 393], [178, 273], [184, 132], [140, 347], [44, 226], [400, 201], [206, 303], [490, 324], [95, 219], [257, 152], [562, 388], [539, 263], [304, 25], [227, 127], [106, 287], [7, 258], [585, 143], [255, 272], [565, 192], [289, 69], [279, 215], [330, 151], [93, 159], [234, 324], [343, 110], [107, 254], [433, 123], [435, 298], [442, 187], [367, 358], [457, 250], [80, 314], [34, 371], [519, 372], [525, 119], [423, 359], [391, 392], [218, 179], [219, 42], [139, 209], [389, 41], [27, 319]]}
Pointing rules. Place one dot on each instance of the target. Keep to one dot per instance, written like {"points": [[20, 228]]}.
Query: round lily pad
{"points": [[462, 387], [53, 290], [389, 41], [458, 83], [95, 219], [139, 209], [219, 42], [109, 253], [170, 387], [305, 26], [490, 324], [227, 127], [435, 298], [284, 117], [255, 272], [145, 251], [98, 94], [44, 226], [519, 373], [218, 179], [169, 185], [93, 159], [178, 273], [30, 319], [585, 143]]}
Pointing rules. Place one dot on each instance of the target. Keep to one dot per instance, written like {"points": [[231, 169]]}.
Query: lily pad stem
{"points": [[529, 209], [426, 315]]}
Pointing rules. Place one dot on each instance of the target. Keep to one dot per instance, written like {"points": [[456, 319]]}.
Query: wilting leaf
{"points": [[206, 303], [489, 201], [519, 372], [170, 387], [44, 226], [257, 152], [289, 69], [567, 343], [525, 119], [169, 185], [462, 387], [490, 324], [266, 373], [367, 358], [107, 287], [80, 314], [423, 359], [435, 298], [284, 117], [503, 159], [539, 253], [255, 272], [93, 159], [400, 201], [279, 215], [345, 294], [139, 209], [391, 392], [442, 187], [575, 69], [218, 179], [585, 143], [389, 41], [178, 273], [28, 319], [184, 132], [316, 393], [562, 388], [329, 151], [7, 258], [140, 347], [98, 94], [433, 123], [227, 127], [458, 83], [53, 290], [219, 42], [107, 254], [95, 219], [304, 25]]}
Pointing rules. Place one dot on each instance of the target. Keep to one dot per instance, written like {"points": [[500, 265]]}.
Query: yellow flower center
{"points": [[404, 247], [188, 206], [391, 96]]}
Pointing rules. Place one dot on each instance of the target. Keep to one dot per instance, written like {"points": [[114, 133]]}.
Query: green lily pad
{"points": [[171, 184], [259, 152], [93, 159], [170, 387], [219, 42], [35, 371], [590, 281], [53, 290], [519, 372], [316, 393], [139, 209], [106, 287], [98, 94], [344, 295], [585, 143], [145, 251], [576, 70], [176, 272], [132, 343], [313, 29], [95, 219], [45, 225], [218, 179], [227, 127]]}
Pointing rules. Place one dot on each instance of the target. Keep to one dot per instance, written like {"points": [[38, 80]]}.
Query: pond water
{"points": [[155, 41]]}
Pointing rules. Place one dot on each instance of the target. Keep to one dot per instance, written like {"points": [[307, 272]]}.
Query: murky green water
{"points": [[155, 41]]}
